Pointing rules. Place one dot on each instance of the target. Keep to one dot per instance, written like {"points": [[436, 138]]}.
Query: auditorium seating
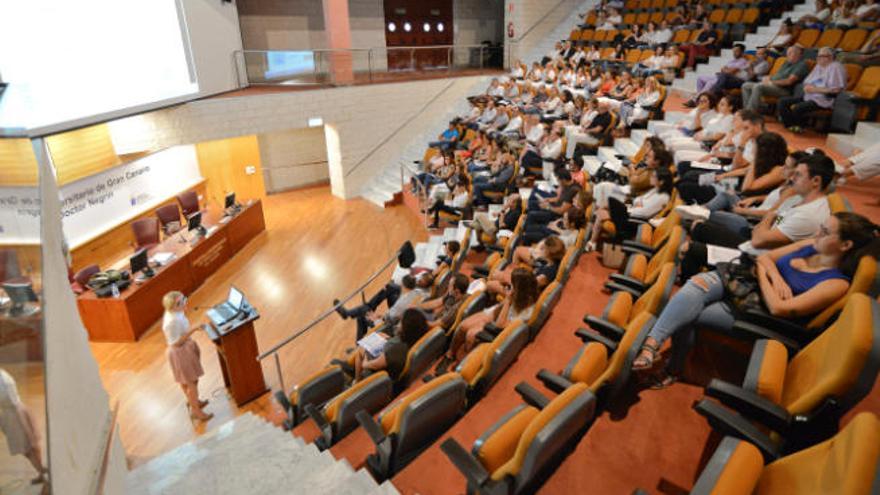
{"points": [[525, 443], [404, 428], [844, 464], [604, 363], [800, 401], [314, 390], [621, 308], [488, 360], [640, 271], [338, 417]]}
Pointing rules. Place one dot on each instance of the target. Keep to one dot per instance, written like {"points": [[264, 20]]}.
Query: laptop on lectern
{"points": [[228, 310]]}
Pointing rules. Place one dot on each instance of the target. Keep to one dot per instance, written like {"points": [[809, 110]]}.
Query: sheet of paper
{"points": [[707, 166], [718, 254], [613, 166], [525, 193], [591, 166], [373, 343], [162, 258]]}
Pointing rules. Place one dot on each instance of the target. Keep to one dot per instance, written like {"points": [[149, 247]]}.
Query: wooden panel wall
{"points": [[223, 164], [18, 165], [83, 152]]}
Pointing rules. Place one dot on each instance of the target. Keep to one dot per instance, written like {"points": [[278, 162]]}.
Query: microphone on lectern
{"points": [[406, 256]]}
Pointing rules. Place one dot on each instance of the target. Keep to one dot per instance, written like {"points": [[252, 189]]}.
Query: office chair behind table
{"points": [[189, 202], [146, 232]]}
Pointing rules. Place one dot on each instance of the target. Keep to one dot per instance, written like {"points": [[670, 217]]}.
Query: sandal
{"points": [[663, 381], [646, 361]]}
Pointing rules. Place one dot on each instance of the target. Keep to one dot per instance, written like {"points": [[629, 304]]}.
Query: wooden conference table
{"points": [[126, 318]]}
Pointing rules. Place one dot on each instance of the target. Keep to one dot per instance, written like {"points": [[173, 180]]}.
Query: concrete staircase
{"points": [[384, 185], [687, 86], [427, 252], [867, 134], [560, 32], [249, 455]]}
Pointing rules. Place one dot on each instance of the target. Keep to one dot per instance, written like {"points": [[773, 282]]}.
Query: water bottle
{"points": [[115, 290]]}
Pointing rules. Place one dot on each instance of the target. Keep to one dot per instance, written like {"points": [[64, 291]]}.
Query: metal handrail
{"points": [[372, 52], [273, 351]]}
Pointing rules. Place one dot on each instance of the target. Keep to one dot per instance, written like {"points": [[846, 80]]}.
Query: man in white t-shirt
{"points": [[811, 178]]}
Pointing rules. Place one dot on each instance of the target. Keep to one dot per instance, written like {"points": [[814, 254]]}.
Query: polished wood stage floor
{"points": [[315, 248]]}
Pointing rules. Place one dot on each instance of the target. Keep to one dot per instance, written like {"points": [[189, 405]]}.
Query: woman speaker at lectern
{"points": [[183, 352]]}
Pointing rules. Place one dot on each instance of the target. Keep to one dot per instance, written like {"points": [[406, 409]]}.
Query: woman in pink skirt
{"points": [[183, 352]]}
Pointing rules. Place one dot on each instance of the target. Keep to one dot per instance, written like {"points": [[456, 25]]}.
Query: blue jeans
{"points": [[692, 307], [734, 222], [722, 201]]}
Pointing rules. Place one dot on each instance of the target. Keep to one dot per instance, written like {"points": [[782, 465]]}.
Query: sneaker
{"points": [[693, 212], [690, 104], [339, 309], [655, 222], [590, 247]]}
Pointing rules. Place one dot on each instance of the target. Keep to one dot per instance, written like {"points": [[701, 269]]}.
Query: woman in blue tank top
{"points": [[795, 281]]}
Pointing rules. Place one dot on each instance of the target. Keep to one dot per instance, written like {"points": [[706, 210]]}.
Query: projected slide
{"points": [[84, 58], [282, 65]]}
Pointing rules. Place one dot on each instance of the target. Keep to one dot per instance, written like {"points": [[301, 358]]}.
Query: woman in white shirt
{"points": [[183, 352], [649, 97], [18, 426], [519, 304], [643, 207], [868, 10], [712, 127], [689, 124], [843, 17]]}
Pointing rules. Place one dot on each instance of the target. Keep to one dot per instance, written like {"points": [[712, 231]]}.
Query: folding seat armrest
{"points": [[633, 247], [371, 427], [586, 336], [615, 287], [750, 404], [531, 396], [494, 249], [628, 281], [760, 332], [472, 470], [605, 327], [553, 381], [729, 423], [636, 221], [480, 272], [492, 329], [785, 327], [284, 402], [319, 419], [485, 336]]}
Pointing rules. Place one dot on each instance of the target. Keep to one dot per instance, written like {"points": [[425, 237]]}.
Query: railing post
{"points": [[278, 371], [412, 59], [449, 57], [370, 64], [481, 57]]}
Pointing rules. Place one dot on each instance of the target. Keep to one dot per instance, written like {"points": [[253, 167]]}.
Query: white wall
{"points": [[77, 404], [293, 158], [531, 28], [363, 117], [214, 35]]}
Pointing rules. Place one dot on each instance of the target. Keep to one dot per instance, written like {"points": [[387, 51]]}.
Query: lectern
{"points": [[237, 351]]}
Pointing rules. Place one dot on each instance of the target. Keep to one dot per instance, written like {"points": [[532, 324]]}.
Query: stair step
{"points": [[847, 144], [868, 131]]}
